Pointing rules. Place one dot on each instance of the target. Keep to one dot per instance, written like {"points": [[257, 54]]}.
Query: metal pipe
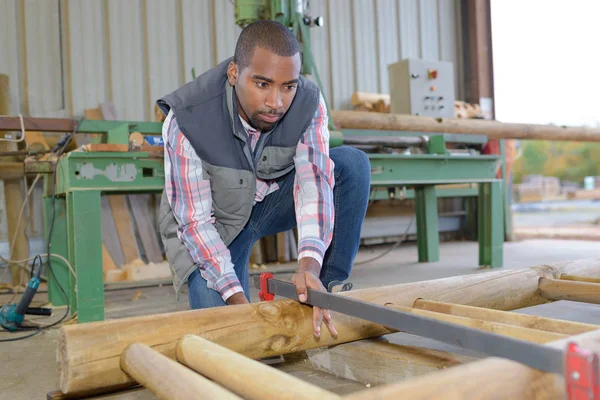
{"points": [[387, 141]]}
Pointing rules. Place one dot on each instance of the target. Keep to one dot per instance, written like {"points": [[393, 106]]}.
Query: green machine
{"points": [[404, 165]]}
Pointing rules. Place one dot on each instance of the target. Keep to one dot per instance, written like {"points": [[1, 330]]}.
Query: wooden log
{"points": [[380, 361], [589, 279], [557, 289], [88, 354], [507, 317], [166, 378], [517, 332], [490, 378], [242, 375], [346, 119]]}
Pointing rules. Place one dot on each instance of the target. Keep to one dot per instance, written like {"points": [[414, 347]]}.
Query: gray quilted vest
{"points": [[206, 112]]}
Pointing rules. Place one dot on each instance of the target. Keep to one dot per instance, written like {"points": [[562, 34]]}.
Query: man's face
{"points": [[265, 88]]}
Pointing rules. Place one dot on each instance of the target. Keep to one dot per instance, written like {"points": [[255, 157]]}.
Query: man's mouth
{"points": [[270, 118]]}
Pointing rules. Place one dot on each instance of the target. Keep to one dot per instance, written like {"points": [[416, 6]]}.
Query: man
{"points": [[247, 156]]}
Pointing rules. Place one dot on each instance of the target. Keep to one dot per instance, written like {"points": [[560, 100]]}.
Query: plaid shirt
{"points": [[190, 199]]}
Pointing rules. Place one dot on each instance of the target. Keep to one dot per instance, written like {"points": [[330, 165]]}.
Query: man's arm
{"points": [[313, 189], [190, 198], [313, 196]]}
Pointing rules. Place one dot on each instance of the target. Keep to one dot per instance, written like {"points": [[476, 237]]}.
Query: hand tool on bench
{"points": [[578, 366]]}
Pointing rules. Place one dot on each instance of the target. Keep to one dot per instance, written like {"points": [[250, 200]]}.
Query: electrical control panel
{"points": [[421, 87]]}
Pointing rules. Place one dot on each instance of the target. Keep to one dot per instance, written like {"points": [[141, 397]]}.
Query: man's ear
{"points": [[232, 73]]}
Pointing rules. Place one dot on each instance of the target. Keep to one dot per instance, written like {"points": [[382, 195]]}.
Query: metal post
{"points": [[85, 253], [428, 239], [491, 224]]}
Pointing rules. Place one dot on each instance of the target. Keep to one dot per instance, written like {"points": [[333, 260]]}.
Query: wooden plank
{"points": [[507, 317], [141, 208], [490, 378], [107, 261], [147, 272], [166, 378], [37, 124], [110, 237], [378, 361], [248, 378], [124, 227], [556, 289], [283, 248]]}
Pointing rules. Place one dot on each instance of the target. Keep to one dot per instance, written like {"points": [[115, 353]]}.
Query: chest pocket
{"points": [[228, 178], [275, 161]]}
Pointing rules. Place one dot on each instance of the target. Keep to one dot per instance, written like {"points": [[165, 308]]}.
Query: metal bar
{"points": [[440, 192], [60, 271], [491, 224], [388, 141], [392, 169], [532, 354], [428, 239], [448, 137], [85, 253]]}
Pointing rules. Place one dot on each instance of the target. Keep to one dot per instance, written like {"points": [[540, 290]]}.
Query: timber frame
{"points": [[220, 346]]}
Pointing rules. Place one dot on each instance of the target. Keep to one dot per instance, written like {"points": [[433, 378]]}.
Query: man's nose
{"points": [[274, 100]]}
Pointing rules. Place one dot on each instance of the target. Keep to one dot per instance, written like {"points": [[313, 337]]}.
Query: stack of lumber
{"points": [[376, 102], [155, 350], [380, 102]]}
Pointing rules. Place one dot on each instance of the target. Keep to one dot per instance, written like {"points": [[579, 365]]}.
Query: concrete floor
{"points": [[29, 366]]}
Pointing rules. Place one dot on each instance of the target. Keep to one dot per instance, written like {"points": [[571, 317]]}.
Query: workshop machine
{"points": [[404, 165]]}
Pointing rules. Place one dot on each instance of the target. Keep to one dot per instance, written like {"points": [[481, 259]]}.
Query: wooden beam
{"points": [[380, 361], [346, 119], [88, 354], [557, 289], [517, 332], [242, 375], [168, 379], [507, 317], [589, 279], [37, 124]]}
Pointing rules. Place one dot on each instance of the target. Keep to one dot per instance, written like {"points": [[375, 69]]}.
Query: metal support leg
{"points": [[428, 237], [85, 253], [491, 224], [60, 274]]}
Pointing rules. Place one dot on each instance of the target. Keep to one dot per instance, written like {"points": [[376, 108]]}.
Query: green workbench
{"points": [[82, 178]]}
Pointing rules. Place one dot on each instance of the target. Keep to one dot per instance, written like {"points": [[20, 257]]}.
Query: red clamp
{"points": [[263, 293], [582, 374]]}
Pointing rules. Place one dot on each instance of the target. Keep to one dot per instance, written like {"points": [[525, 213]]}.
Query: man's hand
{"points": [[308, 277], [237, 298]]}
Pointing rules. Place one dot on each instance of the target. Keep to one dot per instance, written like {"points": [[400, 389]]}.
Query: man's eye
{"points": [[290, 87], [261, 84]]}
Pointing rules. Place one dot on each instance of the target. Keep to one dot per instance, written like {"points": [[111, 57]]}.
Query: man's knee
{"points": [[351, 162]]}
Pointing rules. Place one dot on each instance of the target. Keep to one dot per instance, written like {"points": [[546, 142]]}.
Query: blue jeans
{"points": [[276, 213]]}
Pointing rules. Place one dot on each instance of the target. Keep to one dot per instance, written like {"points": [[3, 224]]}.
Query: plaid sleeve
{"points": [[190, 198], [313, 188]]}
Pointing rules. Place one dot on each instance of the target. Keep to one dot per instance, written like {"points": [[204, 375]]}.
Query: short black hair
{"points": [[270, 35]]}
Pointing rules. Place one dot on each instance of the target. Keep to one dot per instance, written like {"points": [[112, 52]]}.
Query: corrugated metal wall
{"points": [[64, 56]]}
